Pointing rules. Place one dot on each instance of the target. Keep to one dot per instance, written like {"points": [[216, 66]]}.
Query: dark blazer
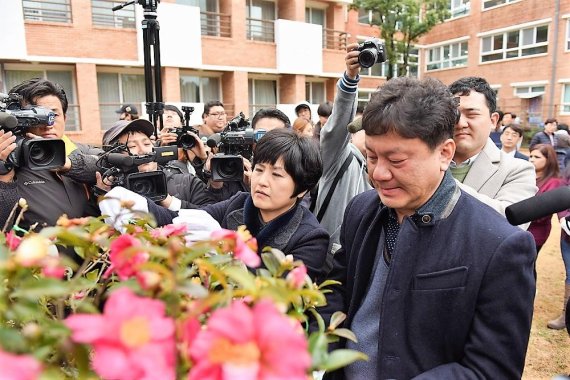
{"points": [[458, 300], [296, 232], [521, 156]]}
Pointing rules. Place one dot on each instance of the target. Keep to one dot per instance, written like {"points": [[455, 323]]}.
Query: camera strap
{"points": [[337, 178]]}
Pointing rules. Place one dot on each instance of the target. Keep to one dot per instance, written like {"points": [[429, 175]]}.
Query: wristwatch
{"points": [[5, 167]]}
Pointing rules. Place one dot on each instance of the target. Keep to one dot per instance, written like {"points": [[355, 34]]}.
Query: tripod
{"points": [[152, 76]]}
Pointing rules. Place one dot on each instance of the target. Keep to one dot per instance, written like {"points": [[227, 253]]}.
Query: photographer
{"points": [[285, 167], [133, 138], [49, 193], [189, 160], [215, 118]]}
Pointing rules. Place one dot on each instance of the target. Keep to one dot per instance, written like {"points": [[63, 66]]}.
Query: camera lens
{"points": [[142, 186], [41, 154], [367, 57], [229, 168], [186, 142]]}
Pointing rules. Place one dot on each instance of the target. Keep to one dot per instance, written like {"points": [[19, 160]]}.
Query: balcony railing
{"points": [[216, 24], [335, 39], [49, 11], [102, 14], [260, 30]]}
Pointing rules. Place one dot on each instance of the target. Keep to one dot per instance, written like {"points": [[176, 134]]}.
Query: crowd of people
{"points": [[402, 202]]}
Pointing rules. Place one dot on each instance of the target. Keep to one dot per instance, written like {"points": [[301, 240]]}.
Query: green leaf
{"points": [[193, 290], [242, 276], [271, 262], [341, 358], [326, 283], [345, 333], [49, 287], [11, 340], [337, 318], [318, 347]]}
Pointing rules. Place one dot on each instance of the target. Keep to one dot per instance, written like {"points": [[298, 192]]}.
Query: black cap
{"points": [[122, 126], [128, 108]]}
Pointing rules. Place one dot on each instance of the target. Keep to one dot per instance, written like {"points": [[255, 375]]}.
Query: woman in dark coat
{"points": [[285, 167]]}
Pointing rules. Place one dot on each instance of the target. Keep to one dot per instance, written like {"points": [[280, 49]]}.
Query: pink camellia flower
{"points": [[257, 343], [19, 367], [188, 329], [133, 339], [124, 261], [167, 231], [296, 278], [12, 240], [240, 242], [51, 267]]}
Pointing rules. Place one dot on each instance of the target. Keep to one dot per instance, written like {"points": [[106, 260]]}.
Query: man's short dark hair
{"points": [[270, 113], [170, 107], [300, 154], [325, 109], [35, 88], [210, 104], [412, 108], [515, 128], [464, 86], [550, 120], [510, 113]]}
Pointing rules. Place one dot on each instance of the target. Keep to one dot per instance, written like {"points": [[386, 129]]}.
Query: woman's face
{"points": [[272, 189], [538, 160], [308, 130]]}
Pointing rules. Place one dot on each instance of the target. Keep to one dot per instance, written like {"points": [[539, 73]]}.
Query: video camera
{"points": [[183, 139], [235, 142], [122, 170], [371, 52], [36, 154]]}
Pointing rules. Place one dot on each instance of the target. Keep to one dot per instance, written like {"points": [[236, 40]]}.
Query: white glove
{"points": [[117, 215], [199, 224]]}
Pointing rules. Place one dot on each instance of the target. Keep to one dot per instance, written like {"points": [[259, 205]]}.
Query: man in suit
{"points": [[510, 137], [435, 284], [483, 171]]}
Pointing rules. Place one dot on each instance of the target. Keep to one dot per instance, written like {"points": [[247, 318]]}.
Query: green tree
{"points": [[402, 23]]}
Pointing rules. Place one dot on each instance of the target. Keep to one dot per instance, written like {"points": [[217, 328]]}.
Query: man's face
{"points": [[550, 128], [406, 172], [509, 139], [474, 126], [323, 120], [139, 143], [171, 119], [304, 112], [269, 124], [56, 130], [507, 119], [216, 119]]}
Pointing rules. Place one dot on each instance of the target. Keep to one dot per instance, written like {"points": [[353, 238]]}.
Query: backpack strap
{"points": [[339, 175]]}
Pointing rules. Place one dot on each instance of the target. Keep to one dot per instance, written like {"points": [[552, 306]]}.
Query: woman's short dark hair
{"points": [[35, 88], [412, 108], [300, 155]]}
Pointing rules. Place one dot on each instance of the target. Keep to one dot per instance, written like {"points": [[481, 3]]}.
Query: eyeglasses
{"points": [[217, 115]]}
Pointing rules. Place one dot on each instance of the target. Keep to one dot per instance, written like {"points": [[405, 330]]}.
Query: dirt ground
{"points": [[548, 352]]}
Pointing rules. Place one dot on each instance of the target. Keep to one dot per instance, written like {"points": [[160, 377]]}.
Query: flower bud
{"points": [[32, 251], [31, 330], [23, 203]]}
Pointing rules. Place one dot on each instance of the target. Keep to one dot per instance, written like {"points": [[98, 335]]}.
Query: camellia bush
{"points": [[151, 304]]}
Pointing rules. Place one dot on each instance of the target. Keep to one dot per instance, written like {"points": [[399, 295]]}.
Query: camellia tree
{"points": [[401, 24], [155, 303]]}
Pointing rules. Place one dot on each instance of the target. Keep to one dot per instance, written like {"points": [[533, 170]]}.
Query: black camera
{"points": [[36, 154], [235, 142], [183, 139], [371, 52], [122, 170]]}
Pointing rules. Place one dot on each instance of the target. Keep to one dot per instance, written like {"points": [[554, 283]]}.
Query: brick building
{"points": [[256, 53]]}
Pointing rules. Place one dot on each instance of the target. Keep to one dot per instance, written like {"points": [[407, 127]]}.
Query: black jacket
{"points": [[187, 187]]}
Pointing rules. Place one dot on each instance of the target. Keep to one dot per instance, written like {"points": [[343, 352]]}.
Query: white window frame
{"points": [[450, 59], [564, 106], [253, 108], [41, 11], [463, 9], [310, 95], [567, 40], [503, 4], [503, 50], [201, 84]]}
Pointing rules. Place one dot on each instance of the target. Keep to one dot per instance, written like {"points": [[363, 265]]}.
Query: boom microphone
{"points": [[355, 125], [124, 161], [214, 140], [7, 120], [539, 206]]}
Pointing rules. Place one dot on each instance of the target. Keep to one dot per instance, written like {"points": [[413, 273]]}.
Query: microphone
{"points": [[539, 206], [214, 140], [355, 125], [7, 120]]}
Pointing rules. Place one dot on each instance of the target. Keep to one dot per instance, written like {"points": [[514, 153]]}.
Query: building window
{"points": [[315, 92], [195, 89], [527, 92], [367, 17], [515, 44], [566, 99], [458, 8], [446, 56], [62, 77], [260, 20], [212, 22], [102, 14], [115, 90], [364, 97], [495, 3], [262, 94], [567, 34], [49, 11]]}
